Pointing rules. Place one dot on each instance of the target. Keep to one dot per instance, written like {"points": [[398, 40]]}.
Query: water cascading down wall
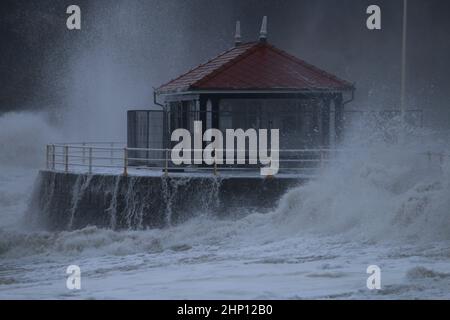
{"points": [[67, 201]]}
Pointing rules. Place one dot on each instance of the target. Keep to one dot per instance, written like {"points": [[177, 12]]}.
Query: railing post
{"points": [[47, 156], [90, 160], [112, 152], [84, 153], [66, 158], [125, 161], [215, 162], [53, 156], [270, 175], [166, 165]]}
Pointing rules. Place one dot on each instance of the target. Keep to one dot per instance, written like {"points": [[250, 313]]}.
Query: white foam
{"points": [[383, 204]]}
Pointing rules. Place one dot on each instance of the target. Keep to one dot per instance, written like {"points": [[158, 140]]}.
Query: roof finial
{"points": [[263, 32], [237, 35]]}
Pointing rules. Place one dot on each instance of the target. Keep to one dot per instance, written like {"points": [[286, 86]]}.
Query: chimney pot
{"points": [[263, 32], [237, 35]]}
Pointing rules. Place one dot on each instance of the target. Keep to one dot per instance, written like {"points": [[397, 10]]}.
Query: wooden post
{"points": [[125, 161], [66, 158], [90, 160]]}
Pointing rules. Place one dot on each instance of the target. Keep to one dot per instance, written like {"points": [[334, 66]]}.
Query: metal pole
{"points": [[90, 160], [53, 156], [47, 157], [84, 153], [125, 161], [270, 165], [404, 41], [215, 162], [66, 158]]}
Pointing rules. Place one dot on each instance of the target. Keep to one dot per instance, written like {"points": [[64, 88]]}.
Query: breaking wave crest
{"points": [[385, 187], [391, 187]]}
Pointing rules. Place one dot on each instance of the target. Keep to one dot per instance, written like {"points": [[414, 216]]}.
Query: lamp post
{"points": [[403, 79]]}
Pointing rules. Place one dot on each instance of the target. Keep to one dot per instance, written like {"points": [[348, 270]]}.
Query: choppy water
{"points": [[384, 204]]}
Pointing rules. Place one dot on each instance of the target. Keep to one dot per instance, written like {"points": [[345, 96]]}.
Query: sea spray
{"points": [[67, 201], [112, 209], [378, 190], [137, 204], [211, 198], [81, 185], [23, 136], [169, 189], [37, 212]]}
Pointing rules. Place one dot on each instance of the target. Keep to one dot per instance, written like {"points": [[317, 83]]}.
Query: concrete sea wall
{"points": [[66, 201]]}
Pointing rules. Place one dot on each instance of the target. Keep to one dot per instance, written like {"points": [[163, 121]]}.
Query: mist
{"points": [[383, 201], [87, 79]]}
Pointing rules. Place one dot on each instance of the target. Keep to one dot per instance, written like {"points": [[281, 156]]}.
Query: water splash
{"points": [[81, 185], [170, 188], [112, 210]]}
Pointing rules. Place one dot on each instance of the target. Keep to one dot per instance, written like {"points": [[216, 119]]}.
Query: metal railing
{"points": [[114, 155]]}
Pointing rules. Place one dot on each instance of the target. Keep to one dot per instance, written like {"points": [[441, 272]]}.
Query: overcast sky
{"points": [[126, 47]]}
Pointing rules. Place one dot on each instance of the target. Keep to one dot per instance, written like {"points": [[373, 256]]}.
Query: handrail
{"points": [[91, 143], [96, 155]]}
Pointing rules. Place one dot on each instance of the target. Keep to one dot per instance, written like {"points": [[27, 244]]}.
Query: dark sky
{"points": [[126, 47]]}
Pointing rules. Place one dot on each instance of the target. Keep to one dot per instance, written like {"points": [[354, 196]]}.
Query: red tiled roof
{"points": [[255, 66]]}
